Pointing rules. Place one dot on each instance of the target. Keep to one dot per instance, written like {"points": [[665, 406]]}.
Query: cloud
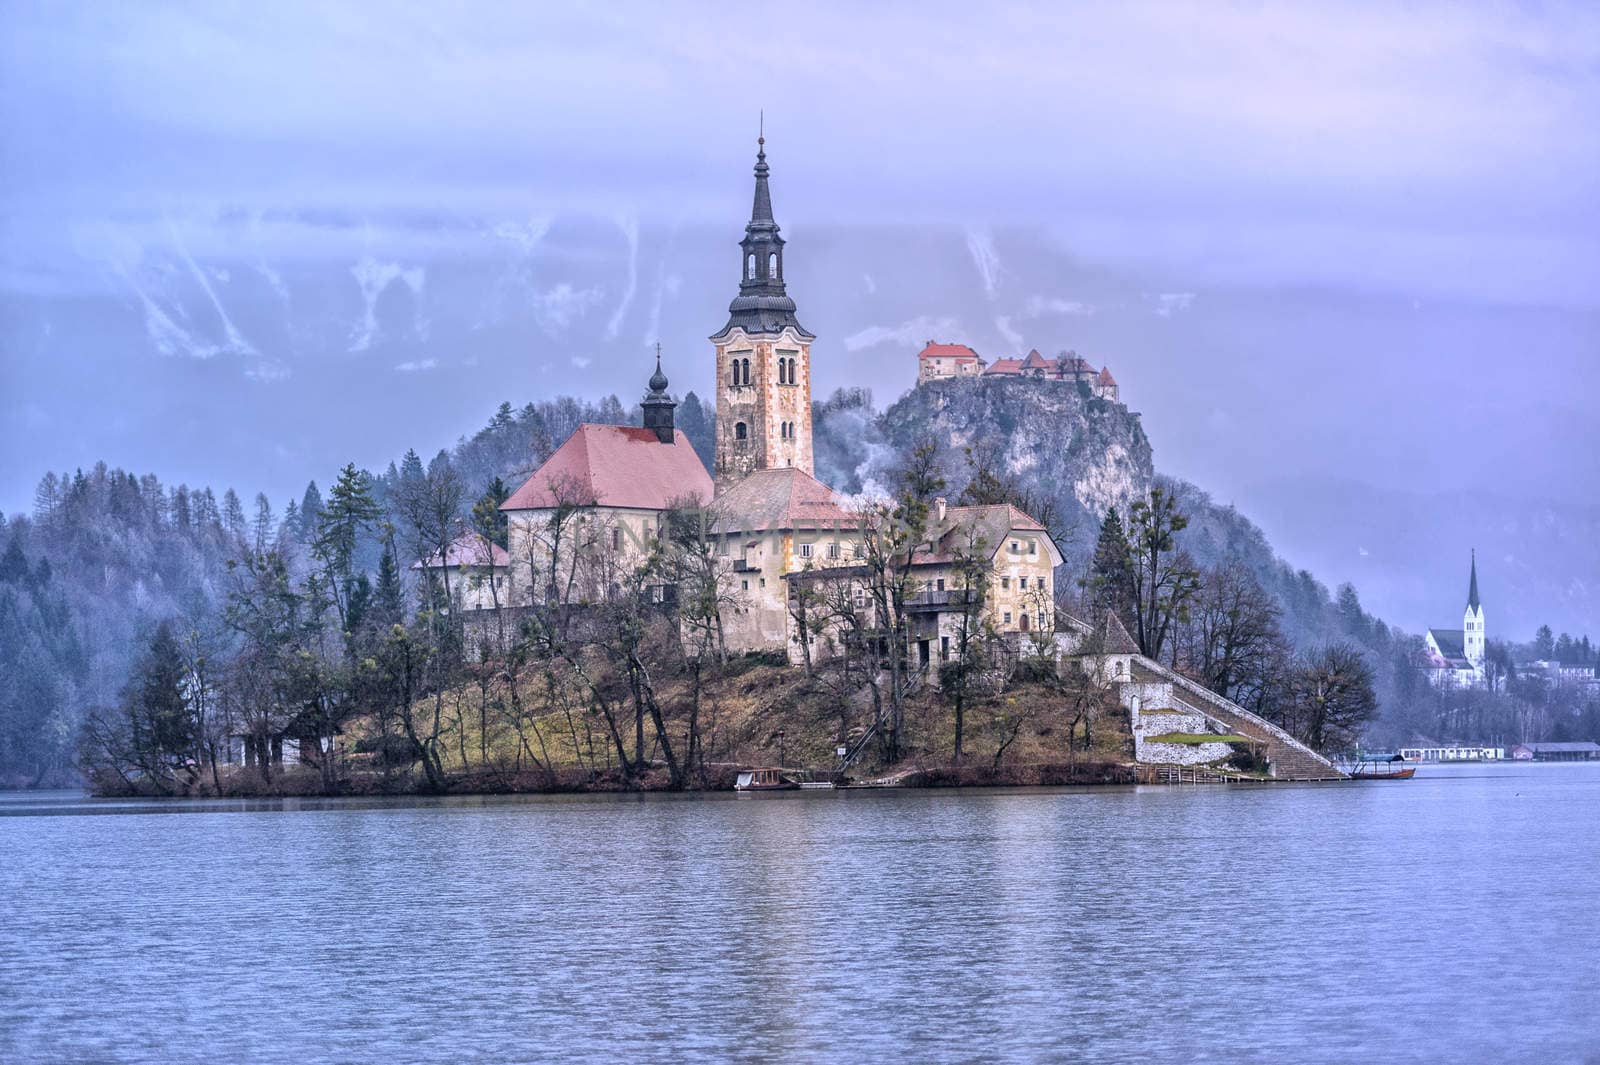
{"points": [[373, 277], [558, 307], [868, 284], [582, 362], [1038, 306], [980, 244], [1003, 324], [417, 365], [630, 230], [1169, 302], [913, 333]]}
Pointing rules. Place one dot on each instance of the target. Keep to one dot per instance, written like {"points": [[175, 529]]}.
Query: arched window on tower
{"points": [[772, 265], [735, 373], [783, 371], [744, 371], [740, 432], [750, 267]]}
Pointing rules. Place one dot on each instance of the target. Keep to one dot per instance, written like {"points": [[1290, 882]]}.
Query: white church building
{"points": [[1455, 656]]}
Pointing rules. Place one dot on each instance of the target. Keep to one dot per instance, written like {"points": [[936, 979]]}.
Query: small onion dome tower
{"points": [[658, 406]]}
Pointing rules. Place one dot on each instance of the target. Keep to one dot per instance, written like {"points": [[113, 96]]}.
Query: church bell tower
{"points": [[1473, 637], [763, 357]]}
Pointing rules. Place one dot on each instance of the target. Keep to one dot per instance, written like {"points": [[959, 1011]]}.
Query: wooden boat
{"points": [[765, 779], [1380, 767]]}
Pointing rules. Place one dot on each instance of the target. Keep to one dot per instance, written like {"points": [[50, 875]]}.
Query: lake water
{"points": [[1452, 918]]}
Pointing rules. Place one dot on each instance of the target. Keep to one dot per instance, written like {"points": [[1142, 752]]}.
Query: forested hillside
{"points": [[107, 555]]}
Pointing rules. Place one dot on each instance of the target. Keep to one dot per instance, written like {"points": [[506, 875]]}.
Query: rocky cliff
{"points": [[1086, 454]]}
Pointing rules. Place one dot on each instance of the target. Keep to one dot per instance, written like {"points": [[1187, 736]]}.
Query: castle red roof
{"points": [[615, 466], [1035, 361], [1106, 378], [1004, 366], [947, 351]]}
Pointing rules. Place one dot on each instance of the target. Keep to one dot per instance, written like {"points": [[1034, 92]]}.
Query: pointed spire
{"points": [[761, 210], [1472, 591]]}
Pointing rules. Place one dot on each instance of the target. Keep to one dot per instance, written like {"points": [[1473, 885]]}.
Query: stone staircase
{"points": [[1287, 757]]}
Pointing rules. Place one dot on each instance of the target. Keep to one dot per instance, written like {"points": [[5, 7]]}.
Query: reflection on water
{"points": [[1451, 918]]}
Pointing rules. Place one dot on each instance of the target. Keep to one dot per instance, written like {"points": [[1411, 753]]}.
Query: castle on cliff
{"points": [[938, 362]]}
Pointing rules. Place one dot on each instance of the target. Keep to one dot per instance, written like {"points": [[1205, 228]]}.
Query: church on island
{"points": [[588, 517], [1455, 656], [794, 567]]}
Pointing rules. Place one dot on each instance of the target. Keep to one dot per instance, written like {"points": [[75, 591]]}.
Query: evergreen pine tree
{"points": [[310, 513], [233, 514], [487, 517], [1110, 582], [388, 597]]}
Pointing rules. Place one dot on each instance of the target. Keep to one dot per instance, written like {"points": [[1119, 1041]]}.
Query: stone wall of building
{"points": [[776, 416]]}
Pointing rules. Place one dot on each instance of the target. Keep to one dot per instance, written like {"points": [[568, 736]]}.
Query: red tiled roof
{"points": [[1106, 378], [468, 549], [615, 466], [785, 498], [946, 351], [1035, 361], [1004, 366]]}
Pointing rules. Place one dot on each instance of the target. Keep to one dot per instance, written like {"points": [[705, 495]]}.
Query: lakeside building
{"points": [[1582, 751], [1455, 657], [1453, 753]]}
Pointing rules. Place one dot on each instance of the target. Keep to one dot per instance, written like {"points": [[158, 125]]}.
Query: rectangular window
{"points": [[940, 584], [860, 551], [944, 648], [616, 539], [1033, 547], [1008, 617], [833, 550], [805, 550], [1015, 547], [1022, 582], [1041, 620], [1005, 582], [744, 585]]}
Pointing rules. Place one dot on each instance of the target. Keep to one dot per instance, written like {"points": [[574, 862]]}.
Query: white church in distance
{"points": [[1455, 656]]}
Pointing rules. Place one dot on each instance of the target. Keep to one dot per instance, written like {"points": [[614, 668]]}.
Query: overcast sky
{"points": [[220, 218]]}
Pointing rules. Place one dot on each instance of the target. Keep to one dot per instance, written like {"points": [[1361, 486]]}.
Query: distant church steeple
{"points": [[763, 356], [658, 406], [1473, 636]]}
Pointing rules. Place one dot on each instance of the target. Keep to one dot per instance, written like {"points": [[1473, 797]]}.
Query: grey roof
{"points": [[1452, 642], [1563, 748], [1472, 591], [1118, 642]]}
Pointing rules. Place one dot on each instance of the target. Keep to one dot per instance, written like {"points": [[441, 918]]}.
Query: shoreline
{"points": [[305, 782]]}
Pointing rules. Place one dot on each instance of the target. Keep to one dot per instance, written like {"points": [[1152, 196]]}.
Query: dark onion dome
{"points": [[658, 380]]}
